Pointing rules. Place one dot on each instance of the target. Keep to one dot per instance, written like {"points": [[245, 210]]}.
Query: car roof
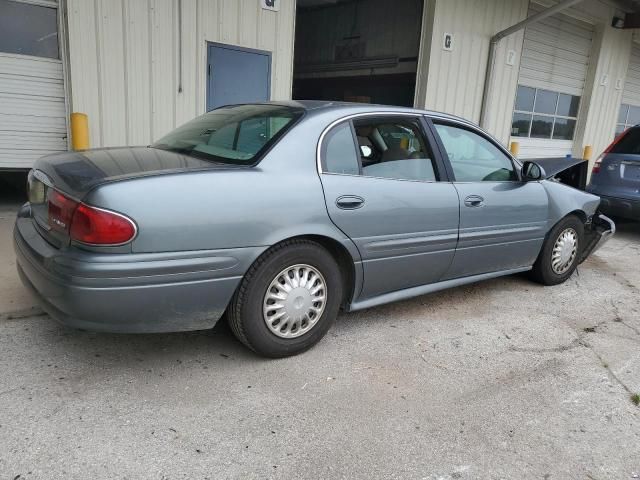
{"points": [[347, 108]]}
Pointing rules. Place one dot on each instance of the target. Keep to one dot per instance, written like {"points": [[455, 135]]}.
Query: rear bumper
{"points": [[129, 293], [597, 233], [619, 207]]}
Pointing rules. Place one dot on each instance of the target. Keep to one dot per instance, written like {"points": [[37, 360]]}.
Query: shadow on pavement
{"points": [[13, 192]]}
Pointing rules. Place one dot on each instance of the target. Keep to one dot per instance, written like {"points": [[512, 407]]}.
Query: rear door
{"points": [[503, 220], [618, 175], [385, 189]]}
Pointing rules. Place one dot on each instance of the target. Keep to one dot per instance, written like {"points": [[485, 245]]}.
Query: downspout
{"points": [[493, 47]]}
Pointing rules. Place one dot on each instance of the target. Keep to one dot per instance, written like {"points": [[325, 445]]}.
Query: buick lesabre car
{"points": [[280, 214]]}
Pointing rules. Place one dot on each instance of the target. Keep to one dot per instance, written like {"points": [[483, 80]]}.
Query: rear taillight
{"points": [[61, 210], [87, 224], [96, 226], [597, 165], [598, 162]]}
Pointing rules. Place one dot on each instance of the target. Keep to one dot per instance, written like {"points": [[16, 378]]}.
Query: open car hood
{"points": [[553, 166], [570, 171]]}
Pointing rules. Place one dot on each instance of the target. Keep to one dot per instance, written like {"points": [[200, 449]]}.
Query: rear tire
{"points": [[288, 299], [560, 252]]}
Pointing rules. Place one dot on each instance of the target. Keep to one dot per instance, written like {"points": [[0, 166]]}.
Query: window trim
{"points": [[440, 170], [323, 150], [553, 116], [515, 163]]}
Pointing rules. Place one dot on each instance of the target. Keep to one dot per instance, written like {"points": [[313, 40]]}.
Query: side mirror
{"points": [[532, 172]]}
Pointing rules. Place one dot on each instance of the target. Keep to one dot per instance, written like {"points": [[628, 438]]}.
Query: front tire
{"points": [[560, 253], [288, 299]]}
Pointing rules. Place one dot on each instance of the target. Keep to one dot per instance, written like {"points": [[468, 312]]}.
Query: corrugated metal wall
{"points": [[124, 59], [455, 79], [603, 93], [631, 93], [555, 53], [32, 109]]}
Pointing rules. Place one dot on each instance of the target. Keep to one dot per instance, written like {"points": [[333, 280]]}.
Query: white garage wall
{"points": [[452, 81], [631, 91], [32, 109], [124, 60]]}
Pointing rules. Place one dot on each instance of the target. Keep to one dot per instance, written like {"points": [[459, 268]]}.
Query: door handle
{"points": [[349, 202], [474, 201]]}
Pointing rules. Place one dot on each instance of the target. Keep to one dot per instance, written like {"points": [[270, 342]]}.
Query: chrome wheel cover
{"points": [[294, 301], [564, 251]]}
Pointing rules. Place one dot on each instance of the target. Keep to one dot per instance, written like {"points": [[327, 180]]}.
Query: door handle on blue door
{"points": [[349, 202], [474, 201]]}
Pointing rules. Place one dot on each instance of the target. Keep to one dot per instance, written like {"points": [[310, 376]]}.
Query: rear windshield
{"points": [[629, 143], [236, 134]]}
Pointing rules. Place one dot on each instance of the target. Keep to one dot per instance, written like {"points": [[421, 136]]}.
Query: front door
{"points": [[503, 220], [386, 191], [237, 75]]}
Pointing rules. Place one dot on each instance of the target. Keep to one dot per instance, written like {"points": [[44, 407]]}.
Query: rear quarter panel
{"points": [[280, 198]]}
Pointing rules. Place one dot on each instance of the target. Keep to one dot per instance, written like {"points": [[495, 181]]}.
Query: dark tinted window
{"points": [[236, 134], [563, 129], [339, 155], [521, 124], [629, 144], [546, 102], [542, 113], [634, 116], [541, 126], [28, 29], [525, 98], [568, 105]]}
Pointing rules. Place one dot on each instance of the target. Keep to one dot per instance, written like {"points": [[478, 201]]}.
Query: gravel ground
{"points": [[499, 380]]}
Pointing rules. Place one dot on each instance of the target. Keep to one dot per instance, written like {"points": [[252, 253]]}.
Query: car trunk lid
{"points": [[59, 182]]}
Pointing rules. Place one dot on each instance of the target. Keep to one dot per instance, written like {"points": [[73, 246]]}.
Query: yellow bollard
{"points": [[514, 148], [586, 154], [79, 131]]}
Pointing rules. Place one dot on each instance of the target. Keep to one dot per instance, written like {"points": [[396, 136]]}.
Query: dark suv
{"points": [[616, 176]]}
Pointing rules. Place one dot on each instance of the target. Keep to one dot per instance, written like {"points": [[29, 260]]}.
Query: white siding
{"points": [[631, 94], [452, 81], [555, 56], [124, 60], [601, 103], [32, 109], [555, 53]]}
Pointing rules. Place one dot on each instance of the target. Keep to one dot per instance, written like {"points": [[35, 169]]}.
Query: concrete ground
{"points": [[14, 299], [499, 380]]}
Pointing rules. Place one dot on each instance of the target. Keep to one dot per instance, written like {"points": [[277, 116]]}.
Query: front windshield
{"points": [[236, 134]]}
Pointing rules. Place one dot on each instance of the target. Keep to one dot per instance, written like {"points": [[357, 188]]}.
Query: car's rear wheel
{"points": [[560, 253], [287, 300]]}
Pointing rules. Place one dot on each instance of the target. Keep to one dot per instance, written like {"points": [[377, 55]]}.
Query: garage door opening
{"points": [[357, 50]]}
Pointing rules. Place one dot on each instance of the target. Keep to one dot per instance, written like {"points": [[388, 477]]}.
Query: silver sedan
{"points": [[278, 215]]}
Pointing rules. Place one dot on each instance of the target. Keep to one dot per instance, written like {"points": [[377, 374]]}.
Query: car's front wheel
{"points": [[287, 300], [560, 253]]}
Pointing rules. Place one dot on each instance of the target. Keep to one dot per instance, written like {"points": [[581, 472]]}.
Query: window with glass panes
{"points": [[628, 117], [544, 114]]}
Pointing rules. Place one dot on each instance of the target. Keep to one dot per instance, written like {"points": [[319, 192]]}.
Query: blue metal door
{"points": [[237, 75]]}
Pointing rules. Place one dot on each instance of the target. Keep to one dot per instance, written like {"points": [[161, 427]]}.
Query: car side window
{"points": [[394, 148], [473, 157], [339, 151]]}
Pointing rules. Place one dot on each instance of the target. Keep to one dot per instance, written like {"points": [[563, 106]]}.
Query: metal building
{"points": [[138, 68]]}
